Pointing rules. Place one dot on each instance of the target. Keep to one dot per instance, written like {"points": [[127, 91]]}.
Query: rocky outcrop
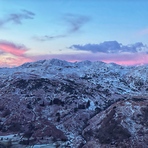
{"points": [[123, 124]]}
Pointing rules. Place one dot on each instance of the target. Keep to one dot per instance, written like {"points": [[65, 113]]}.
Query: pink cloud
{"points": [[121, 59], [11, 61], [8, 47], [129, 59], [19, 57], [12, 54]]}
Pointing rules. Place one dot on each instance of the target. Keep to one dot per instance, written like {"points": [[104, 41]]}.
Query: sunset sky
{"points": [[73, 30]]}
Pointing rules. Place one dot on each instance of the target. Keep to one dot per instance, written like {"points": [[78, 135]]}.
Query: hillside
{"points": [[74, 105]]}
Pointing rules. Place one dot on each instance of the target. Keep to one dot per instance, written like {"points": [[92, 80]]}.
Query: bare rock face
{"points": [[123, 124]]}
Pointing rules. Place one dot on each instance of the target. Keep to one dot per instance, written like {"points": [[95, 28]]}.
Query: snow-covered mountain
{"points": [[53, 101]]}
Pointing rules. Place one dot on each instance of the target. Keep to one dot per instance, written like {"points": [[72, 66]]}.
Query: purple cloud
{"points": [[17, 18], [111, 47]]}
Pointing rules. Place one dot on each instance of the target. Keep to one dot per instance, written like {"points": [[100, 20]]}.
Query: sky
{"points": [[112, 31]]}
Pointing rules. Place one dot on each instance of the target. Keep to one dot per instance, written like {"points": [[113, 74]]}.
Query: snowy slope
{"points": [[62, 96]]}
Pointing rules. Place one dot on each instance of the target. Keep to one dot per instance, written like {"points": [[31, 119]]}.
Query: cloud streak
{"points": [[17, 18], [73, 22], [48, 38], [14, 49]]}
